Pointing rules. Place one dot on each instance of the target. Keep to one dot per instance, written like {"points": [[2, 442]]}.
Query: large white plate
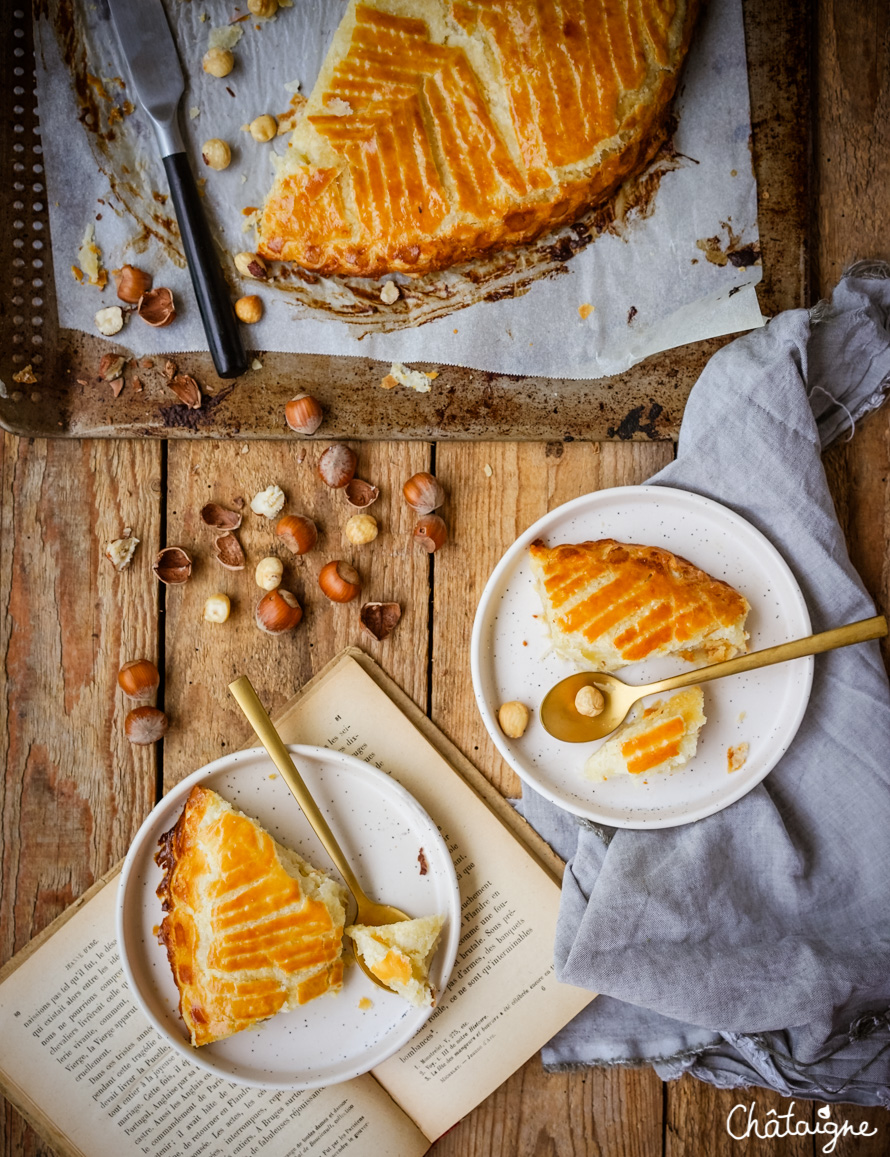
{"points": [[761, 708], [381, 829]]}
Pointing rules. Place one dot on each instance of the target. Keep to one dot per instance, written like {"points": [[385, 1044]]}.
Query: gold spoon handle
{"points": [[259, 720], [874, 628]]}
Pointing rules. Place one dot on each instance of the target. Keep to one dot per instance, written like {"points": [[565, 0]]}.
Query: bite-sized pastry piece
{"points": [[251, 928], [400, 955], [611, 603], [663, 738], [441, 130]]}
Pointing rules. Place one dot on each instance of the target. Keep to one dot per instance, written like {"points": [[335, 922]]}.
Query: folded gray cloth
{"points": [[753, 947]]}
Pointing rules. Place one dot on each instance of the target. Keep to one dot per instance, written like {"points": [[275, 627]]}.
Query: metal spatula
{"points": [[156, 75]]}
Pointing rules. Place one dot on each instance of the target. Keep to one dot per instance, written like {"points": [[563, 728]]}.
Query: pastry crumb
{"points": [[585, 310], [736, 757], [365, 1003], [417, 380]]}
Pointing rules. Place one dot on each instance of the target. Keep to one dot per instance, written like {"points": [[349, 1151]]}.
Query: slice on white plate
{"points": [[664, 736], [400, 955]]}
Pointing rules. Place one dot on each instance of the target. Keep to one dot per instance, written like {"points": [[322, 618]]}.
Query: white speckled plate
{"points": [[381, 829], [761, 708]]}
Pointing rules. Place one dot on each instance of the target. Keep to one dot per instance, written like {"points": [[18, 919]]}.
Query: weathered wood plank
{"points": [[697, 1122], [74, 790], [202, 658]]}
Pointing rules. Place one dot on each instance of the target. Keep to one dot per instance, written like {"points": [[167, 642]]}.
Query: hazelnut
{"points": [[120, 552], [156, 307], [380, 619], [336, 466], [268, 502], [339, 581], [423, 493], [111, 366], [269, 572], [218, 61], [173, 566], [227, 551], [249, 309], [138, 679], [297, 532], [513, 718], [251, 265], [263, 128], [389, 294], [145, 725], [217, 608], [265, 9], [187, 390], [132, 283], [361, 529], [303, 414], [216, 154], [110, 321], [590, 701], [219, 517], [361, 494], [431, 533], [278, 611]]}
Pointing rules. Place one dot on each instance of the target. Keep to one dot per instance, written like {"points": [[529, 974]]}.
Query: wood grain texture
{"points": [[697, 1122], [203, 658], [74, 790]]}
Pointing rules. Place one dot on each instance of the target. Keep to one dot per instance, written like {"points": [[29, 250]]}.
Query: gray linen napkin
{"points": [[753, 947]]}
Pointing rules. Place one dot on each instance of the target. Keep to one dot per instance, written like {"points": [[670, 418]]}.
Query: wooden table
{"points": [[75, 791]]}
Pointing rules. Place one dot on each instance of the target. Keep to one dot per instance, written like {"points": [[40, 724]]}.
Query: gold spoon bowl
{"points": [[369, 911], [562, 719]]}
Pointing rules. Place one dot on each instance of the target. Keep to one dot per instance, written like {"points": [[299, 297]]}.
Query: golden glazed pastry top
{"points": [[439, 130], [663, 737], [610, 603], [250, 927]]}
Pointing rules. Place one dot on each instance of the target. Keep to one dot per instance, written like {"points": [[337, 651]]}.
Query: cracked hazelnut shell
{"points": [[220, 517], [173, 566], [380, 619], [227, 551]]}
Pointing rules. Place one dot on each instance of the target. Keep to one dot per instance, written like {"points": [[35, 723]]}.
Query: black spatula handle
{"points": [[217, 314]]}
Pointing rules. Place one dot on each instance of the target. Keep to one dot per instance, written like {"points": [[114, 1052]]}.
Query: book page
{"points": [[76, 1048], [503, 1001]]}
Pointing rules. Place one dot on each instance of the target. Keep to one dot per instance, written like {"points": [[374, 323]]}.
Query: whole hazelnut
{"points": [[336, 466], [216, 154], [278, 611], [269, 572], [249, 309], [263, 128], [145, 725], [138, 679], [431, 533], [265, 9], [218, 62], [303, 414], [423, 493], [513, 718], [590, 701], [339, 581], [361, 529], [132, 283], [297, 532], [251, 265], [217, 608]]}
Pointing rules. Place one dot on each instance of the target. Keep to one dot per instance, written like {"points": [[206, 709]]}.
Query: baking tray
{"points": [[67, 398]]}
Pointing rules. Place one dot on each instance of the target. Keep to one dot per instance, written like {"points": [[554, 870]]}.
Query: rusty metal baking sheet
{"points": [[59, 391]]}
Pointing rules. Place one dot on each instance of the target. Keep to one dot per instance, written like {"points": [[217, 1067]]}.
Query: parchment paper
{"points": [[678, 267]]}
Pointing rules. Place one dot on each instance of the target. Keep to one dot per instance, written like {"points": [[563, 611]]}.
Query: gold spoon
{"points": [[369, 912], [563, 720]]}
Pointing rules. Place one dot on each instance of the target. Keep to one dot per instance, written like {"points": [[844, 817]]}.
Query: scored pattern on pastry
{"points": [[479, 125], [663, 737]]}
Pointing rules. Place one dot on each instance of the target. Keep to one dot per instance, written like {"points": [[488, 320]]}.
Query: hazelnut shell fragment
{"points": [[187, 390], [156, 308], [361, 494], [173, 566], [132, 283], [145, 725], [380, 619], [227, 551], [220, 518]]}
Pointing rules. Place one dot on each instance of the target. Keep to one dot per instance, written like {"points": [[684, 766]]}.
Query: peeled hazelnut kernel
{"points": [[268, 573], [218, 61], [339, 581], [590, 701], [217, 608], [251, 265], [110, 321], [389, 294], [431, 533], [132, 283], [249, 309], [120, 552], [513, 718], [268, 502], [277, 612], [336, 466], [145, 725], [297, 532], [138, 679], [156, 307], [263, 128], [263, 8], [303, 414], [423, 493], [216, 154], [361, 529]]}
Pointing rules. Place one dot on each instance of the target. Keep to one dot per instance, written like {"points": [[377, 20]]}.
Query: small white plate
{"points": [[381, 829], [510, 660]]}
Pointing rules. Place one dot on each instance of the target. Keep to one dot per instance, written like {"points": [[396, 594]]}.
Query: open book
{"points": [[82, 1064]]}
